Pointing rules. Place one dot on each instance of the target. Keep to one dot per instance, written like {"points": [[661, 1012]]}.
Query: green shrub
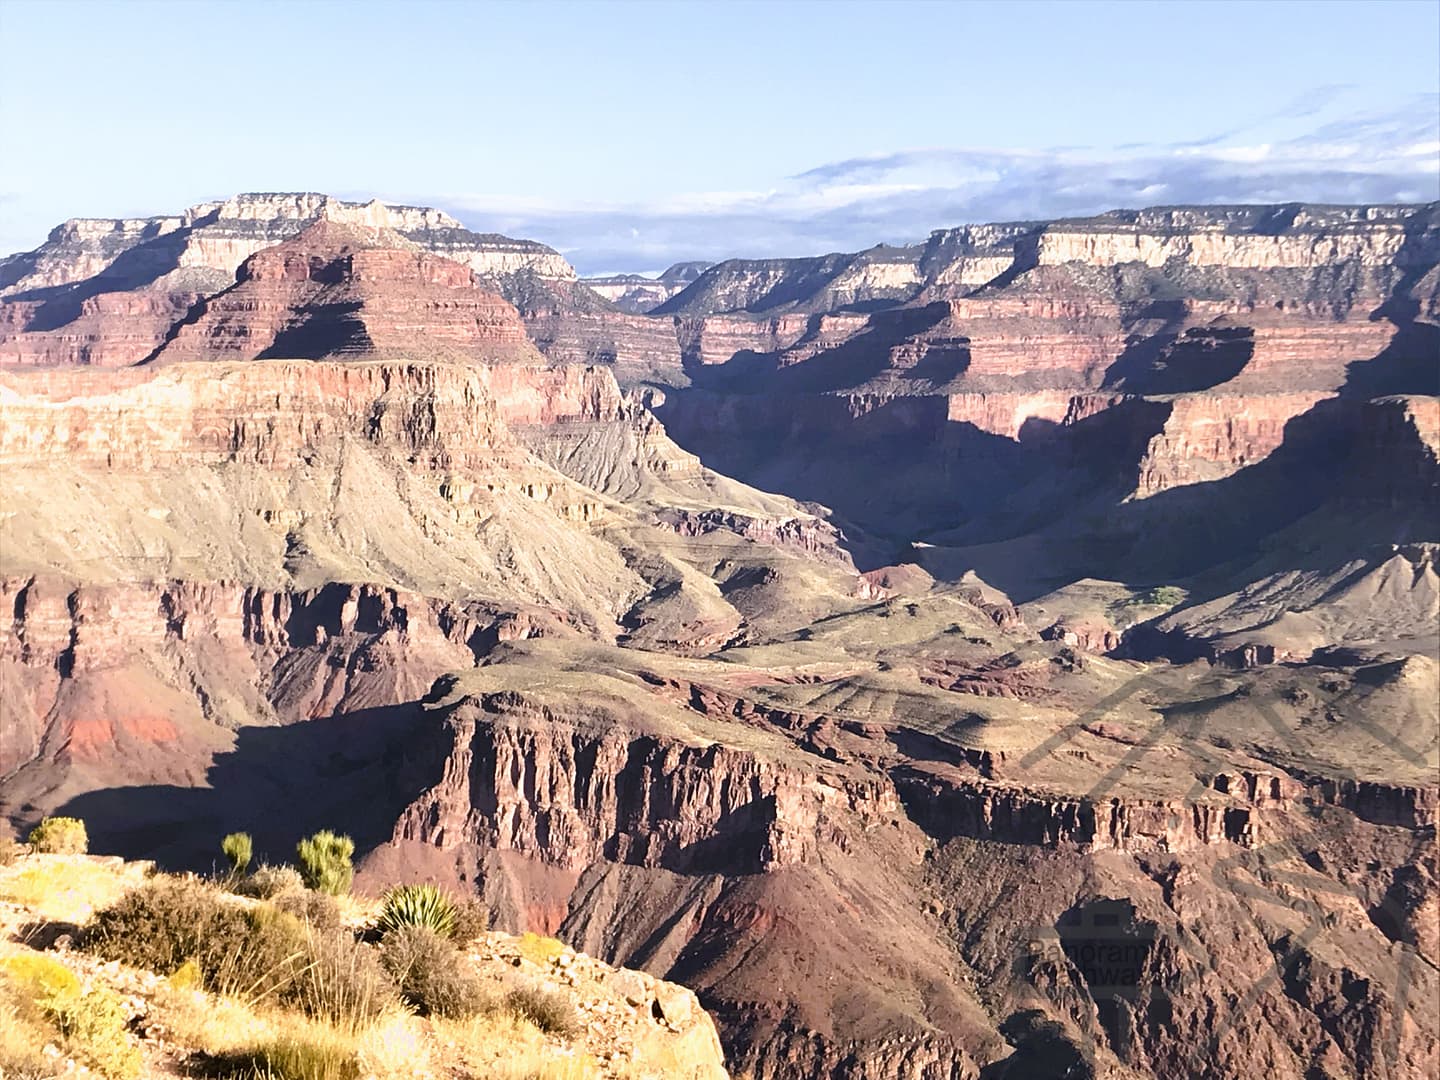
{"points": [[268, 882], [417, 905], [547, 1010], [60, 835], [342, 981], [325, 862], [92, 1022], [429, 972], [39, 977], [1161, 596], [238, 848]]}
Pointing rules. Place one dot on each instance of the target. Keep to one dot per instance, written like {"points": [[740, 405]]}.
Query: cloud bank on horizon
{"points": [[901, 197]]}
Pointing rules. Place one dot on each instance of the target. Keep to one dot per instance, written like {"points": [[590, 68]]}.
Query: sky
{"points": [[630, 135]]}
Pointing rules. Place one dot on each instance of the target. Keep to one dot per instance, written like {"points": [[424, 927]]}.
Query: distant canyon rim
{"points": [[873, 643]]}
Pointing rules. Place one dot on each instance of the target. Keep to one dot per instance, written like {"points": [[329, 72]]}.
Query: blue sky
{"points": [[630, 135]]}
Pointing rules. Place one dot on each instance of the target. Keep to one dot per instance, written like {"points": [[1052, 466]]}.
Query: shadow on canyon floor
{"points": [[353, 773], [1052, 506]]}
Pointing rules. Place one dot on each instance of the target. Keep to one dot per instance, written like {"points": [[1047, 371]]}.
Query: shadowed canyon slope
{"points": [[1013, 655]]}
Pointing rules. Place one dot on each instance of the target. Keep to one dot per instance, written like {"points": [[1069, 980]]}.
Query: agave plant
{"points": [[417, 905]]}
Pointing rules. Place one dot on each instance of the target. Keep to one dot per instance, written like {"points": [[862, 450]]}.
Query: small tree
{"points": [[60, 835], [238, 848], [325, 862]]}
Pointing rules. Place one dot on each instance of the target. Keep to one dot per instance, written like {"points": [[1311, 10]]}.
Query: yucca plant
{"points": [[325, 862], [417, 905], [62, 835], [237, 848]]}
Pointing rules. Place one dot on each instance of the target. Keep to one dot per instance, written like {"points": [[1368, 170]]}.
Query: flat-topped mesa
{"points": [[956, 262], [343, 290], [1244, 237], [820, 283]]}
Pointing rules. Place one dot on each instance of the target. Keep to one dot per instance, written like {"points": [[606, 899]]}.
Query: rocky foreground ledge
{"points": [[626, 1023]]}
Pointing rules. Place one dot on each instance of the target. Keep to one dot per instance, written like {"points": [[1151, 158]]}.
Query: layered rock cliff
{"points": [[73, 299], [1119, 635], [339, 290], [638, 294]]}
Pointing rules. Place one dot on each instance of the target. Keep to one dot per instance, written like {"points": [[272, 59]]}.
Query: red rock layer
{"points": [[338, 291], [1209, 436], [113, 329]]}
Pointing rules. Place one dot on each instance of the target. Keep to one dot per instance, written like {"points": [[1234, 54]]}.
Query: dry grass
{"points": [[540, 949], [65, 888], [240, 1037], [216, 1026], [503, 1046], [23, 1036]]}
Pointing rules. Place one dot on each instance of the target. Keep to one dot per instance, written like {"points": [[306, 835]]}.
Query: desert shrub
{"points": [[268, 882], [1161, 596], [94, 1024], [325, 862], [320, 911], [471, 920], [430, 974], [37, 976], [549, 1011], [186, 977], [60, 835], [253, 953], [417, 905], [10, 848], [250, 953], [237, 849], [342, 981]]}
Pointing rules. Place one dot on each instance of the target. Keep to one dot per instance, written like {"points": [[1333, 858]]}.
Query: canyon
{"points": [[866, 642]]}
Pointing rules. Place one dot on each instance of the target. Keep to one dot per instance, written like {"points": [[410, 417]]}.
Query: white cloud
{"points": [[901, 196]]}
